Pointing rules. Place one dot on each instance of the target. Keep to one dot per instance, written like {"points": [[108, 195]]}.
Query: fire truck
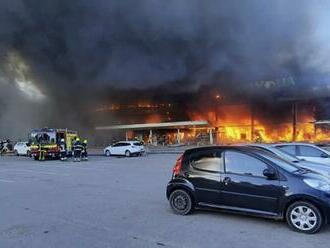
{"points": [[48, 140]]}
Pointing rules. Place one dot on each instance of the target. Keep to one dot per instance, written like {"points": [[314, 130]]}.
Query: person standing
{"points": [[84, 151], [63, 150], [42, 152], [77, 149]]}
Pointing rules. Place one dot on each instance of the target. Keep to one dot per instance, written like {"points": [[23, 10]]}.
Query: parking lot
{"points": [[119, 202]]}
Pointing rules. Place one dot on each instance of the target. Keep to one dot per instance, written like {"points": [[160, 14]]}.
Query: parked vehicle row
{"points": [[259, 180]]}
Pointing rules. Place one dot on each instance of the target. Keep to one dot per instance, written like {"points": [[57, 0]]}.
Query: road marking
{"points": [[35, 172], [6, 181]]}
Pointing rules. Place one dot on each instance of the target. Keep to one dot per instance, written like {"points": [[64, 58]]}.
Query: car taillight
{"points": [[178, 165]]}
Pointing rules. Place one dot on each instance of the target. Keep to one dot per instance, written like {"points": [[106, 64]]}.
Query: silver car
{"points": [[317, 167]]}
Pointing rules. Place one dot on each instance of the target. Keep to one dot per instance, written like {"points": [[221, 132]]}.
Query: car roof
{"points": [[260, 145], [294, 143], [225, 147]]}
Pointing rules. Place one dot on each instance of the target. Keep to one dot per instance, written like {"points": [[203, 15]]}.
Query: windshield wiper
{"points": [[302, 171]]}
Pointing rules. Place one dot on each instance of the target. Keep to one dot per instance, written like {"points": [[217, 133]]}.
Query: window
{"points": [[137, 144], [118, 145], [308, 151], [288, 149], [240, 163], [209, 160]]}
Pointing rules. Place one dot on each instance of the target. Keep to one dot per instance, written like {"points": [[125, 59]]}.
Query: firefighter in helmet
{"points": [[84, 151], [63, 150], [42, 152], [77, 150]]}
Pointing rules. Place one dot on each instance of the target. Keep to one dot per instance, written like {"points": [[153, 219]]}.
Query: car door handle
{"points": [[227, 180]]}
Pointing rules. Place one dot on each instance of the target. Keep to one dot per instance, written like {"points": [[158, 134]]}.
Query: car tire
{"points": [[127, 153], [28, 154], [304, 217], [181, 202], [107, 153], [16, 153]]}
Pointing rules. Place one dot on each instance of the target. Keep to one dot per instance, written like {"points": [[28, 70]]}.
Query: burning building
{"points": [[278, 114]]}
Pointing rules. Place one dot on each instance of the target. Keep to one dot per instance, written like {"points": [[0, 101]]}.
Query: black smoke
{"points": [[78, 50]]}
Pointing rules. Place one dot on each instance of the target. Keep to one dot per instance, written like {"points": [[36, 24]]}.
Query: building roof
{"points": [[161, 125], [320, 122]]}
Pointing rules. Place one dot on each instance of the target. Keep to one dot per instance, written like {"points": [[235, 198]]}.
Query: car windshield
{"points": [[279, 152], [137, 143], [285, 155], [284, 164]]}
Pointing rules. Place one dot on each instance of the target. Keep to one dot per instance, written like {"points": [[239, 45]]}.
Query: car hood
{"points": [[317, 167]]}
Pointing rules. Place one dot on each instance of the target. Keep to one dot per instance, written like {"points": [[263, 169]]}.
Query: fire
{"points": [[154, 118], [235, 124]]}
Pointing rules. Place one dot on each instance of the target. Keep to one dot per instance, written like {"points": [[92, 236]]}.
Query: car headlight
{"points": [[318, 184]]}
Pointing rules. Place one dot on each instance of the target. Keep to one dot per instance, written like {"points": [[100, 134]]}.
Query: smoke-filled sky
{"points": [[56, 56]]}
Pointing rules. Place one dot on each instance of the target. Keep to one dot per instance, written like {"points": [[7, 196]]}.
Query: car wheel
{"points": [[127, 153], [304, 217], [107, 153], [28, 153], [181, 202], [16, 153]]}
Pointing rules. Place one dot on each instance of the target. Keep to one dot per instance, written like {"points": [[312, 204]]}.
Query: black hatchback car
{"points": [[250, 181]]}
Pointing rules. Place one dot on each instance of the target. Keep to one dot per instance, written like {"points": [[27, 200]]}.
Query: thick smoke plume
{"points": [[74, 49]]}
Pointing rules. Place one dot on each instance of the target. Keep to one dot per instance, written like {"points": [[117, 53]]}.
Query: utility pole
{"points": [[252, 121], [294, 121]]}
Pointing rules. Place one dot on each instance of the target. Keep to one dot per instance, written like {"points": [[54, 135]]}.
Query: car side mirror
{"points": [[324, 155], [269, 173]]}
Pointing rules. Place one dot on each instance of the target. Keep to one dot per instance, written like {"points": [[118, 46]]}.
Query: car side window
{"points": [[208, 160], [240, 163], [308, 151], [290, 149], [117, 145]]}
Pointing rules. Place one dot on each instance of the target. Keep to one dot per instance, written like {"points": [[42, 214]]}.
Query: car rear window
{"points": [[308, 151], [207, 160]]}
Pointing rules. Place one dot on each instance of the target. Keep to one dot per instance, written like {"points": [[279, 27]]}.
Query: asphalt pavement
{"points": [[119, 202]]}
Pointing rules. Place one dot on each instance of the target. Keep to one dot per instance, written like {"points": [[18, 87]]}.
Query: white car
{"points": [[306, 151], [125, 148], [22, 148]]}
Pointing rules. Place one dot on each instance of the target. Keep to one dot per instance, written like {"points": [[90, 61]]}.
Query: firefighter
{"points": [[84, 151], [77, 149], [42, 152], [2, 147], [63, 150]]}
